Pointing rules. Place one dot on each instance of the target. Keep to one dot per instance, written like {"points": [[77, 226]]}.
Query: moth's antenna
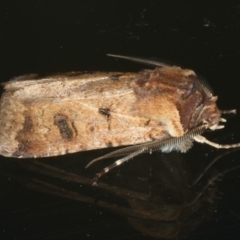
{"points": [[205, 85], [140, 60]]}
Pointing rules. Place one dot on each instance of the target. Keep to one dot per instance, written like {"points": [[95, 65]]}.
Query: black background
{"points": [[59, 36]]}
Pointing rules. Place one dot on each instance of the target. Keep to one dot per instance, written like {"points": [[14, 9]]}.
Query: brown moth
{"points": [[162, 109]]}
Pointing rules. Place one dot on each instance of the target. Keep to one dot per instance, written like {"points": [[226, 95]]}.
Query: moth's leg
{"points": [[232, 111], [202, 139], [117, 163], [225, 112], [106, 170]]}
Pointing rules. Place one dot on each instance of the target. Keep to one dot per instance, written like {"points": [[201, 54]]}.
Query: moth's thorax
{"points": [[176, 97]]}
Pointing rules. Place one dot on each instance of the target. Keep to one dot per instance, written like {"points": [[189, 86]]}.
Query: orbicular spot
{"points": [[105, 112], [64, 126]]}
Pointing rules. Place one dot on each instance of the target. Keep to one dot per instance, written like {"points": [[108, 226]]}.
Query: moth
{"points": [[166, 108]]}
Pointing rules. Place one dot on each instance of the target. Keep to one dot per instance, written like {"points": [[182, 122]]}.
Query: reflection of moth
{"points": [[166, 199], [166, 108]]}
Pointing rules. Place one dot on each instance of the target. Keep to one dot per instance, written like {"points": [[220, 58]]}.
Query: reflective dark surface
{"points": [[151, 196]]}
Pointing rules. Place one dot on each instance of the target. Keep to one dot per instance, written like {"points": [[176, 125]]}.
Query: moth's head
{"points": [[211, 115]]}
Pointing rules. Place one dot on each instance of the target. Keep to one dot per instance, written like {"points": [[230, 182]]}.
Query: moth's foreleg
{"points": [[203, 140], [232, 111]]}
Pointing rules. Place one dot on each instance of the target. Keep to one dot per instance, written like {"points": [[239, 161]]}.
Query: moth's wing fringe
{"points": [[151, 146]]}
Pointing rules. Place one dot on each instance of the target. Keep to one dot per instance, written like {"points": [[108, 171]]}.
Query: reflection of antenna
{"points": [[209, 165]]}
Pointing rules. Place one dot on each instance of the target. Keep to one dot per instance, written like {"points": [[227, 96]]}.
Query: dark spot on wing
{"points": [[22, 150], [105, 112], [109, 144], [61, 121], [21, 153], [147, 122], [24, 135], [115, 76]]}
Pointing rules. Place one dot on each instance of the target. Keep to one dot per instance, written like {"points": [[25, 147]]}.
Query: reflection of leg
{"points": [[202, 139]]}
